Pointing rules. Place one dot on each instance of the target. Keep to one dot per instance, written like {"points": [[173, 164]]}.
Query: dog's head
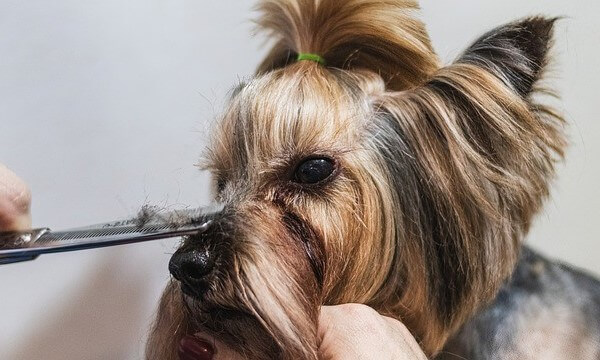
{"points": [[377, 178]]}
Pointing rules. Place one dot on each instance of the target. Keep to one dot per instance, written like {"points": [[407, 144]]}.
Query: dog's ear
{"points": [[480, 149], [516, 52], [384, 37], [483, 110]]}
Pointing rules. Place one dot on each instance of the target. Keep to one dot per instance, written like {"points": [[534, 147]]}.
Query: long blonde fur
{"points": [[440, 171]]}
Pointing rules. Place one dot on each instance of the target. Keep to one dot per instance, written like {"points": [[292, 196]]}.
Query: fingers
{"points": [[347, 332], [15, 200], [342, 331], [354, 331], [401, 332]]}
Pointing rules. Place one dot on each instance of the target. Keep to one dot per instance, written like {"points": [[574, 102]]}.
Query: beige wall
{"points": [[103, 107]]}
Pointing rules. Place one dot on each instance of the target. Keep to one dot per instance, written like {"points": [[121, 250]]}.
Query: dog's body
{"points": [[547, 310], [374, 175]]}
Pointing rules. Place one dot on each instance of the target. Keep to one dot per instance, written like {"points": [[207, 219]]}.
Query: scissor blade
{"points": [[69, 241], [29, 245]]}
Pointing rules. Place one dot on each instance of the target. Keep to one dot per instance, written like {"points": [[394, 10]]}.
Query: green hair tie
{"points": [[311, 57]]}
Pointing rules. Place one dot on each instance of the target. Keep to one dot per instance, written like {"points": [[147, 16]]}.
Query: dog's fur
{"points": [[439, 171]]}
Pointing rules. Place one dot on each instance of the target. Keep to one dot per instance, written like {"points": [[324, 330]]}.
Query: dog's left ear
{"points": [[517, 52], [482, 150], [481, 113]]}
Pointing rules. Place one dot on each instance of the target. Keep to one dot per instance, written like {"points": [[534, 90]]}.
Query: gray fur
{"points": [[547, 310]]}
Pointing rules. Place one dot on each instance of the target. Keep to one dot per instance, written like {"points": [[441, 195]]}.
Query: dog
{"points": [[354, 168]]}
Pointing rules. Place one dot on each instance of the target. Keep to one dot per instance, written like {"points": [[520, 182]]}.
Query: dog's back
{"points": [[547, 310]]}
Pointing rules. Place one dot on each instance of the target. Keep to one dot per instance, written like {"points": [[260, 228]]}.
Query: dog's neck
{"points": [[534, 316]]}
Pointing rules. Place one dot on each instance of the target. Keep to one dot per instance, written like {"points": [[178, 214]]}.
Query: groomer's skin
{"points": [[349, 331], [15, 200], [353, 331]]}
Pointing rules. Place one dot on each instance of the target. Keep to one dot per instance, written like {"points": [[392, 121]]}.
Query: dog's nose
{"points": [[191, 266]]}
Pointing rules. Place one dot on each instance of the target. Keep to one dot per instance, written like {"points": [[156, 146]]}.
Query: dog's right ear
{"points": [[384, 37]]}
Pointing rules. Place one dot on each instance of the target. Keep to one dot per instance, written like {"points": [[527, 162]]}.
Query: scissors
{"points": [[19, 246]]}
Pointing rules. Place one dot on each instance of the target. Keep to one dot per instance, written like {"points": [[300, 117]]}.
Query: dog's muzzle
{"points": [[195, 261], [191, 266]]}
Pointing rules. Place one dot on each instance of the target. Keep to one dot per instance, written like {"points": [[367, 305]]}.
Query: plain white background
{"points": [[104, 106]]}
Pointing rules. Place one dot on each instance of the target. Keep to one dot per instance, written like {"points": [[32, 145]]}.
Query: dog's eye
{"points": [[314, 170]]}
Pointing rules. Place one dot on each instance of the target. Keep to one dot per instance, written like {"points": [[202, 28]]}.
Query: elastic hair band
{"points": [[311, 57]]}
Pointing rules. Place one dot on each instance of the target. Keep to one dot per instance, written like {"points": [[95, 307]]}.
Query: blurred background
{"points": [[105, 106]]}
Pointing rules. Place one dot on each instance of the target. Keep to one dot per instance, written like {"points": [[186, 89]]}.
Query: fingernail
{"points": [[193, 348]]}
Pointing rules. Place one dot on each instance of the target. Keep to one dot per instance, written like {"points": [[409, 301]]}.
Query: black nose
{"points": [[190, 266]]}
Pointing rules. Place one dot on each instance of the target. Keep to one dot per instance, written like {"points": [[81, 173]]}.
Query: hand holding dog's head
{"points": [[377, 179]]}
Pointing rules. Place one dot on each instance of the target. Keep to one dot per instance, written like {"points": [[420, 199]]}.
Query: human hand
{"points": [[15, 201], [354, 331], [347, 332]]}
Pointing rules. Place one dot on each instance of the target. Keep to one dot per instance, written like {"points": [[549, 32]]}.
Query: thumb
{"points": [[15, 201]]}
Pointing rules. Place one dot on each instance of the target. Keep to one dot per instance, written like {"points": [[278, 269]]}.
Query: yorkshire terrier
{"points": [[353, 168]]}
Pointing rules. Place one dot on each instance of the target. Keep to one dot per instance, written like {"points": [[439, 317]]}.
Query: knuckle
{"points": [[398, 327], [23, 198], [358, 310], [364, 317]]}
